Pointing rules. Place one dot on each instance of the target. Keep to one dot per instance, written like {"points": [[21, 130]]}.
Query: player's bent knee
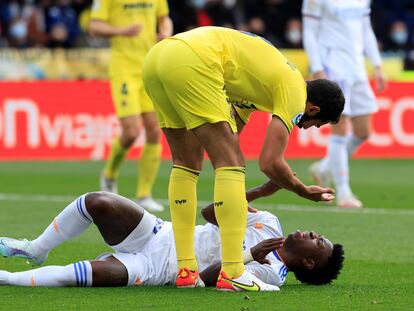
{"points": [[363, 135], [128, 139], [98, 204]]}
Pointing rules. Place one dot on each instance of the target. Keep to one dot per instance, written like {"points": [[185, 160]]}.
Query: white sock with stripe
{"points": [[338, 163], [71, 222], [77, 274], [352, 144]]}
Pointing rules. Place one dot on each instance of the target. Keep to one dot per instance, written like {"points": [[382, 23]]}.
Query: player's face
{"points": [[309, 244], [310, 117], [306, 123]]}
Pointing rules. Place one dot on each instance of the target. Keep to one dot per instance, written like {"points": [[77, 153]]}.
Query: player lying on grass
{"points": [[145, 253]]}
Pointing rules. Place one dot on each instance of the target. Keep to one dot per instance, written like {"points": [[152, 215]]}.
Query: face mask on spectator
{"points": [[18, 30], [294, 36], [198, 4], [399, 37]]}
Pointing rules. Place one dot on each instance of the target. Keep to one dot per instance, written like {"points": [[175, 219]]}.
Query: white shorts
{"points": [[359, 98], [352, 79], [145, 252]]}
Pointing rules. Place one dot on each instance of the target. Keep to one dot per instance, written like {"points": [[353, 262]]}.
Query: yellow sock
{"points": [[116, 157], [230, 207], [148, 166], [182, 194]]}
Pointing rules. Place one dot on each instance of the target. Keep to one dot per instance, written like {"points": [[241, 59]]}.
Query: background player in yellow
{"points": [[204, 84], [132, 27]]}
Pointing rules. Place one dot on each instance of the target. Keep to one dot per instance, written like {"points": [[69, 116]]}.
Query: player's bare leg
{"points": [[149, 163], [130, 127], [187, 155], [361, 130], [109, 272], [115, 217]]}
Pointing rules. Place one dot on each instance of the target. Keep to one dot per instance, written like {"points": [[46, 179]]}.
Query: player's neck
{"points": [[284, 256]]}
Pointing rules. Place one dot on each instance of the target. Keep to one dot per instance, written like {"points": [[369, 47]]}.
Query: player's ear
{"points": [[308, 263], [312, 110]]}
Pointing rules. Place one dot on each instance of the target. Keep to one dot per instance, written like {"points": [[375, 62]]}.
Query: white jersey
{"points": [[149, 253], [337, 33], [260, 226]]}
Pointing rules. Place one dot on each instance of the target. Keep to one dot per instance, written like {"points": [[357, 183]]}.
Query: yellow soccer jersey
{"points": [[257, 76], [127, 53]]}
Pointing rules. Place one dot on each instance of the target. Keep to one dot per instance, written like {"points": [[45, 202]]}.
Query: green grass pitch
{"points": [[378, 240]]}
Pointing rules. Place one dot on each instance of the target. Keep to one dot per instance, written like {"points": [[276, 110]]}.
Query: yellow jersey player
{"points": [[204, 84], [132, 27]]}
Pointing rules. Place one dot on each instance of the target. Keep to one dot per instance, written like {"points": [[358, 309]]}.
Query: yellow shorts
{"points": [[129, 96], [185, 91]]}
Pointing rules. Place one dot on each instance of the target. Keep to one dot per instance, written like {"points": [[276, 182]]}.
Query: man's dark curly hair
{"points": [[328, 96], [323, 275]]}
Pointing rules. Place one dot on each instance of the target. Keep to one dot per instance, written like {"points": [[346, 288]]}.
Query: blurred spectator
{"points": [[23, 24], [183, 15], [293, 35], [277, 20], [266, 18], [225, 13], [397, 36], [62, 24], [388, 20]]}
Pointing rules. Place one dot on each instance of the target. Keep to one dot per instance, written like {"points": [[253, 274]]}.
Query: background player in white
{"points": [[337, 34], [145, 253]]}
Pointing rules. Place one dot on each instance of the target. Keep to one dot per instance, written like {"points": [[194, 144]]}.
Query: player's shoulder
{"points": [[262, 219]]}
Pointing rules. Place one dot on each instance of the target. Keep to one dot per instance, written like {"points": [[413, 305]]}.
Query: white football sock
{"points": [[77, 274], [71, 222], [324, 164], [338, 163], [352, 144]]}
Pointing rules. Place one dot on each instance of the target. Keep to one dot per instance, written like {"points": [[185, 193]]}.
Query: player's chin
{"points": [[292, 238]]}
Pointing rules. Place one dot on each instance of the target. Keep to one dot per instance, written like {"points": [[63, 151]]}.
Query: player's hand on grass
{"points": [[316, 193], [131, 30], [260, 250]]}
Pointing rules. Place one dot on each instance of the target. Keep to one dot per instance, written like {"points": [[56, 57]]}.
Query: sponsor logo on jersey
{"points": [[138, 5], [242, 103], [296, 119]]}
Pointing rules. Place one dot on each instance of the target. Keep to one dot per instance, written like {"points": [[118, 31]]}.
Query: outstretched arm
{"points": [[372, 51], [273, 164], [311, 16]]}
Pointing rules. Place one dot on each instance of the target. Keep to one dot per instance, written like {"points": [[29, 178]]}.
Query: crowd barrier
{"points": [[75, 121]]}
